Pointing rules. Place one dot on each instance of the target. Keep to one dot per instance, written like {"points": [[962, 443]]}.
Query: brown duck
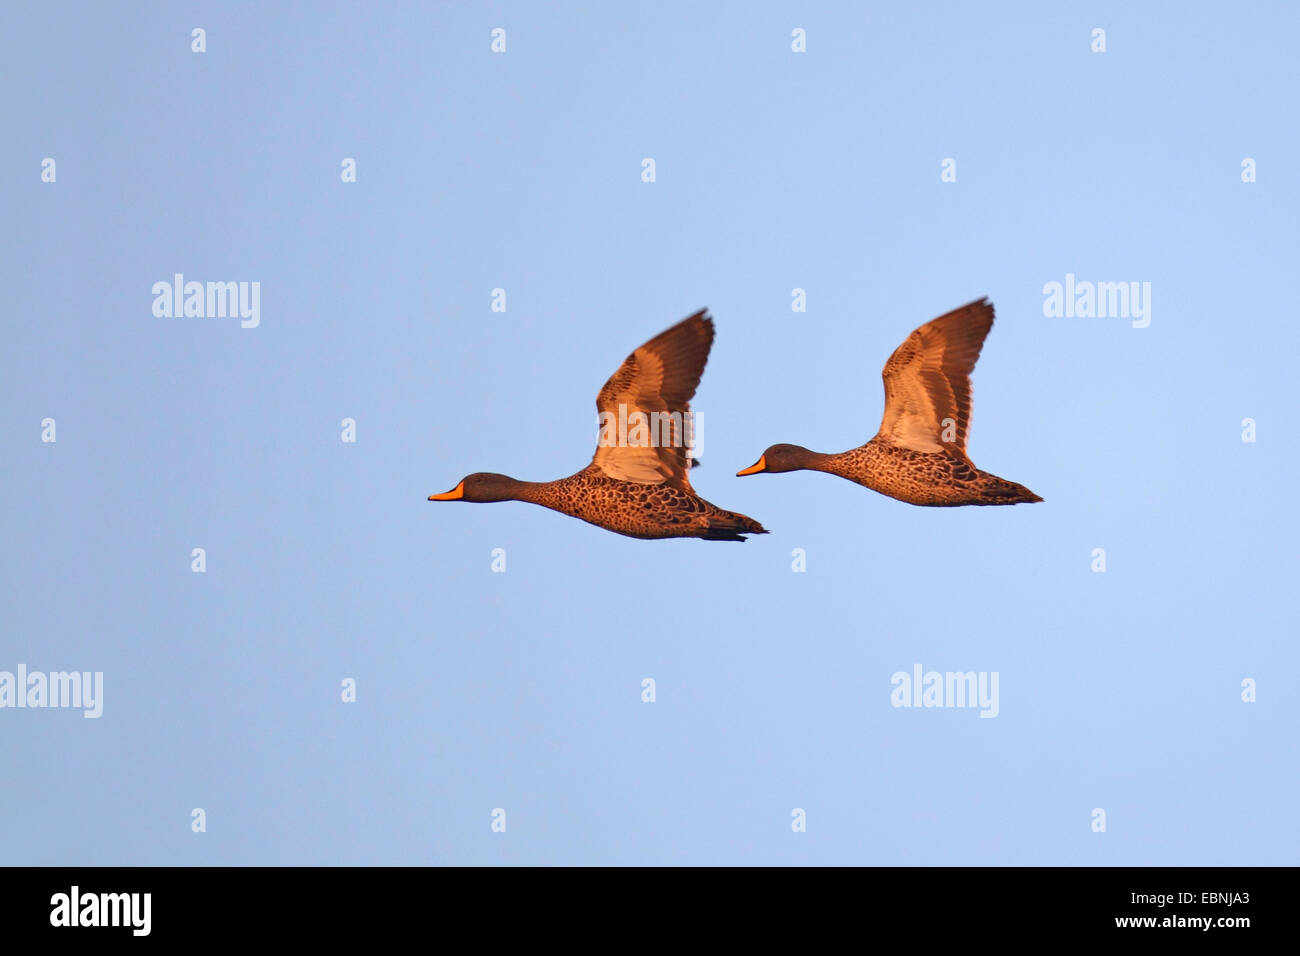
{"points": [[638, 482], [919, 454]]}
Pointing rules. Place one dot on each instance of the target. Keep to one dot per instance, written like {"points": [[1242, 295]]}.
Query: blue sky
{"points": [[522, 690]]}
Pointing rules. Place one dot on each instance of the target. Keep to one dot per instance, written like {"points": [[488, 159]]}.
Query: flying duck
{"points": [[919, 454], [638, 483]]}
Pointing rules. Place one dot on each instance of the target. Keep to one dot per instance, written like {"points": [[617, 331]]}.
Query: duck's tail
{"points": [[998, 491], [730, 526]]}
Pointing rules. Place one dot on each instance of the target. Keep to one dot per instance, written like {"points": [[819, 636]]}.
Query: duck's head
{"points": [[780, 458], [482, 486]]}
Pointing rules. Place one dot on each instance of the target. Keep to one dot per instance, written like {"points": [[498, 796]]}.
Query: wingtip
{"points": [[701, 319], [983, 300]]}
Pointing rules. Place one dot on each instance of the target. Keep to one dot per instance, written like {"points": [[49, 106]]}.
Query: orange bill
{"points": [[454, 495]]}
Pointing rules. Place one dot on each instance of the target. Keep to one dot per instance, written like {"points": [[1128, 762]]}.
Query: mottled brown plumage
{"points": [[919, 454], [638, 483]]}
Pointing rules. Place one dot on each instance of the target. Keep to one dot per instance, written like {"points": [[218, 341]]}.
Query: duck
{"points": [[638, 483], [919, 454]]}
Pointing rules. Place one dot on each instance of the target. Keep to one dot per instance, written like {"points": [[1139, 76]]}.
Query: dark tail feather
{"points": [[729, 526], [999, 491]]}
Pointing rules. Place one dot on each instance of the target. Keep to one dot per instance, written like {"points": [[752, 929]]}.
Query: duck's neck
{"points": [[531, 491], [816, 461]]}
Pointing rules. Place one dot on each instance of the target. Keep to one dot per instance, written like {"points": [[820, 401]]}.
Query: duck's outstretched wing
{"points": [[653, 389], [927, 381]]}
